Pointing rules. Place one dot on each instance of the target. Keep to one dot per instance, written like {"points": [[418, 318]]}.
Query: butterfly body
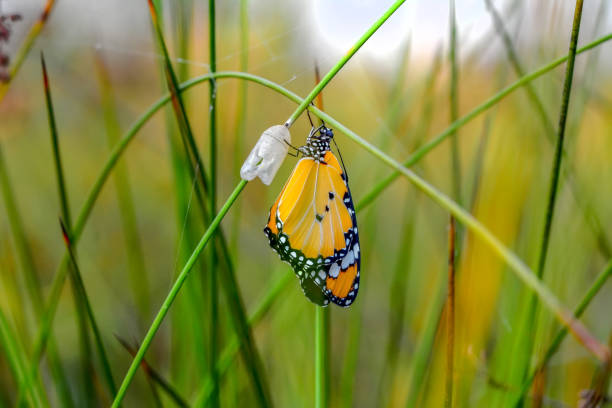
{"points": [[312, 225]]}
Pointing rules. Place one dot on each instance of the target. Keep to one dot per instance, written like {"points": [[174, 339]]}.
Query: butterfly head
{"points": [[318, 143]]}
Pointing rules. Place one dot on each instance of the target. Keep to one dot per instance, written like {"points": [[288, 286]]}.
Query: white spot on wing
{"points": [[349, 259], [334, 271]]}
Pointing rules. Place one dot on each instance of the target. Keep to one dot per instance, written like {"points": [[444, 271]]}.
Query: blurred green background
{"points": [[389, 348]]}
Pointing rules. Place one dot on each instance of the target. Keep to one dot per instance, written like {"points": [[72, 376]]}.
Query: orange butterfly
{"points": [[312, 224]]}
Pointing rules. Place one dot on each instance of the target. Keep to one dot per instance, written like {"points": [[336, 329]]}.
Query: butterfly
{"points": [[312, 224]]}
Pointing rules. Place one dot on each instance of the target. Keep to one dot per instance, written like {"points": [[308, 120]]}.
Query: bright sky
{"points": [[337, 23]]}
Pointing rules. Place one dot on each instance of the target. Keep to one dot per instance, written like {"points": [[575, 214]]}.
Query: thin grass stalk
{"points": [[351, 355], [530, 316], [516, 65], [177, 102], [423, 351], [397, 304], [32, 281], [562, 333], [187, 314], [554, 182], [24, 253], [241, 116], [322, 322], [212, 200], [137, 271], [15, 356], [450, 316], [233, 345], [88, 373], [338, 66], [104, 362], [81, 320], [397, 296], [139, 123], [174, 292], [155, 376], [237, 308], [596, 396], [480, 151], [321, 358], [194, 164], [454, 102], [399, 101], [456, 177], [26, 46], [61, 184], [228, 279], [183, 24], [549, 131], [14, 299]]}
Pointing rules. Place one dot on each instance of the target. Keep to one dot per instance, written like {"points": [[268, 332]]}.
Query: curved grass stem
{"points": [[176, 287]]}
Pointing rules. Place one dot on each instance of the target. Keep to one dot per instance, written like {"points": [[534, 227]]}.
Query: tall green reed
{"points": [[81, 319], [530, 322]]}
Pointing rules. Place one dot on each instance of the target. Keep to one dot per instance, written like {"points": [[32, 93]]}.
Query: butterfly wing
{"points": [[342, 282], [312, 226]]}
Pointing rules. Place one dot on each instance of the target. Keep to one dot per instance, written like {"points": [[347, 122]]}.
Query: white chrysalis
{"points": [[267, 155]]}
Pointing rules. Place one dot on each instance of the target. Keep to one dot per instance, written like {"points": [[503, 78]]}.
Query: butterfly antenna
{"points": [[309, 118], [341, 160]]}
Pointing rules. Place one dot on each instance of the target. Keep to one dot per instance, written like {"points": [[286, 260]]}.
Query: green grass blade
{"points": [[423, 351], [452, 236], [106, 369], [562, 333], [399, 281], [57, 158], [233, 345], [190, 163], [525, 343], [137, 271], [241, 115], [213, 316], [81, 322], [15, 356], [321, 357], [248, 348], [32, 281], [154, 375], [554, 182], [174, 292]]}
